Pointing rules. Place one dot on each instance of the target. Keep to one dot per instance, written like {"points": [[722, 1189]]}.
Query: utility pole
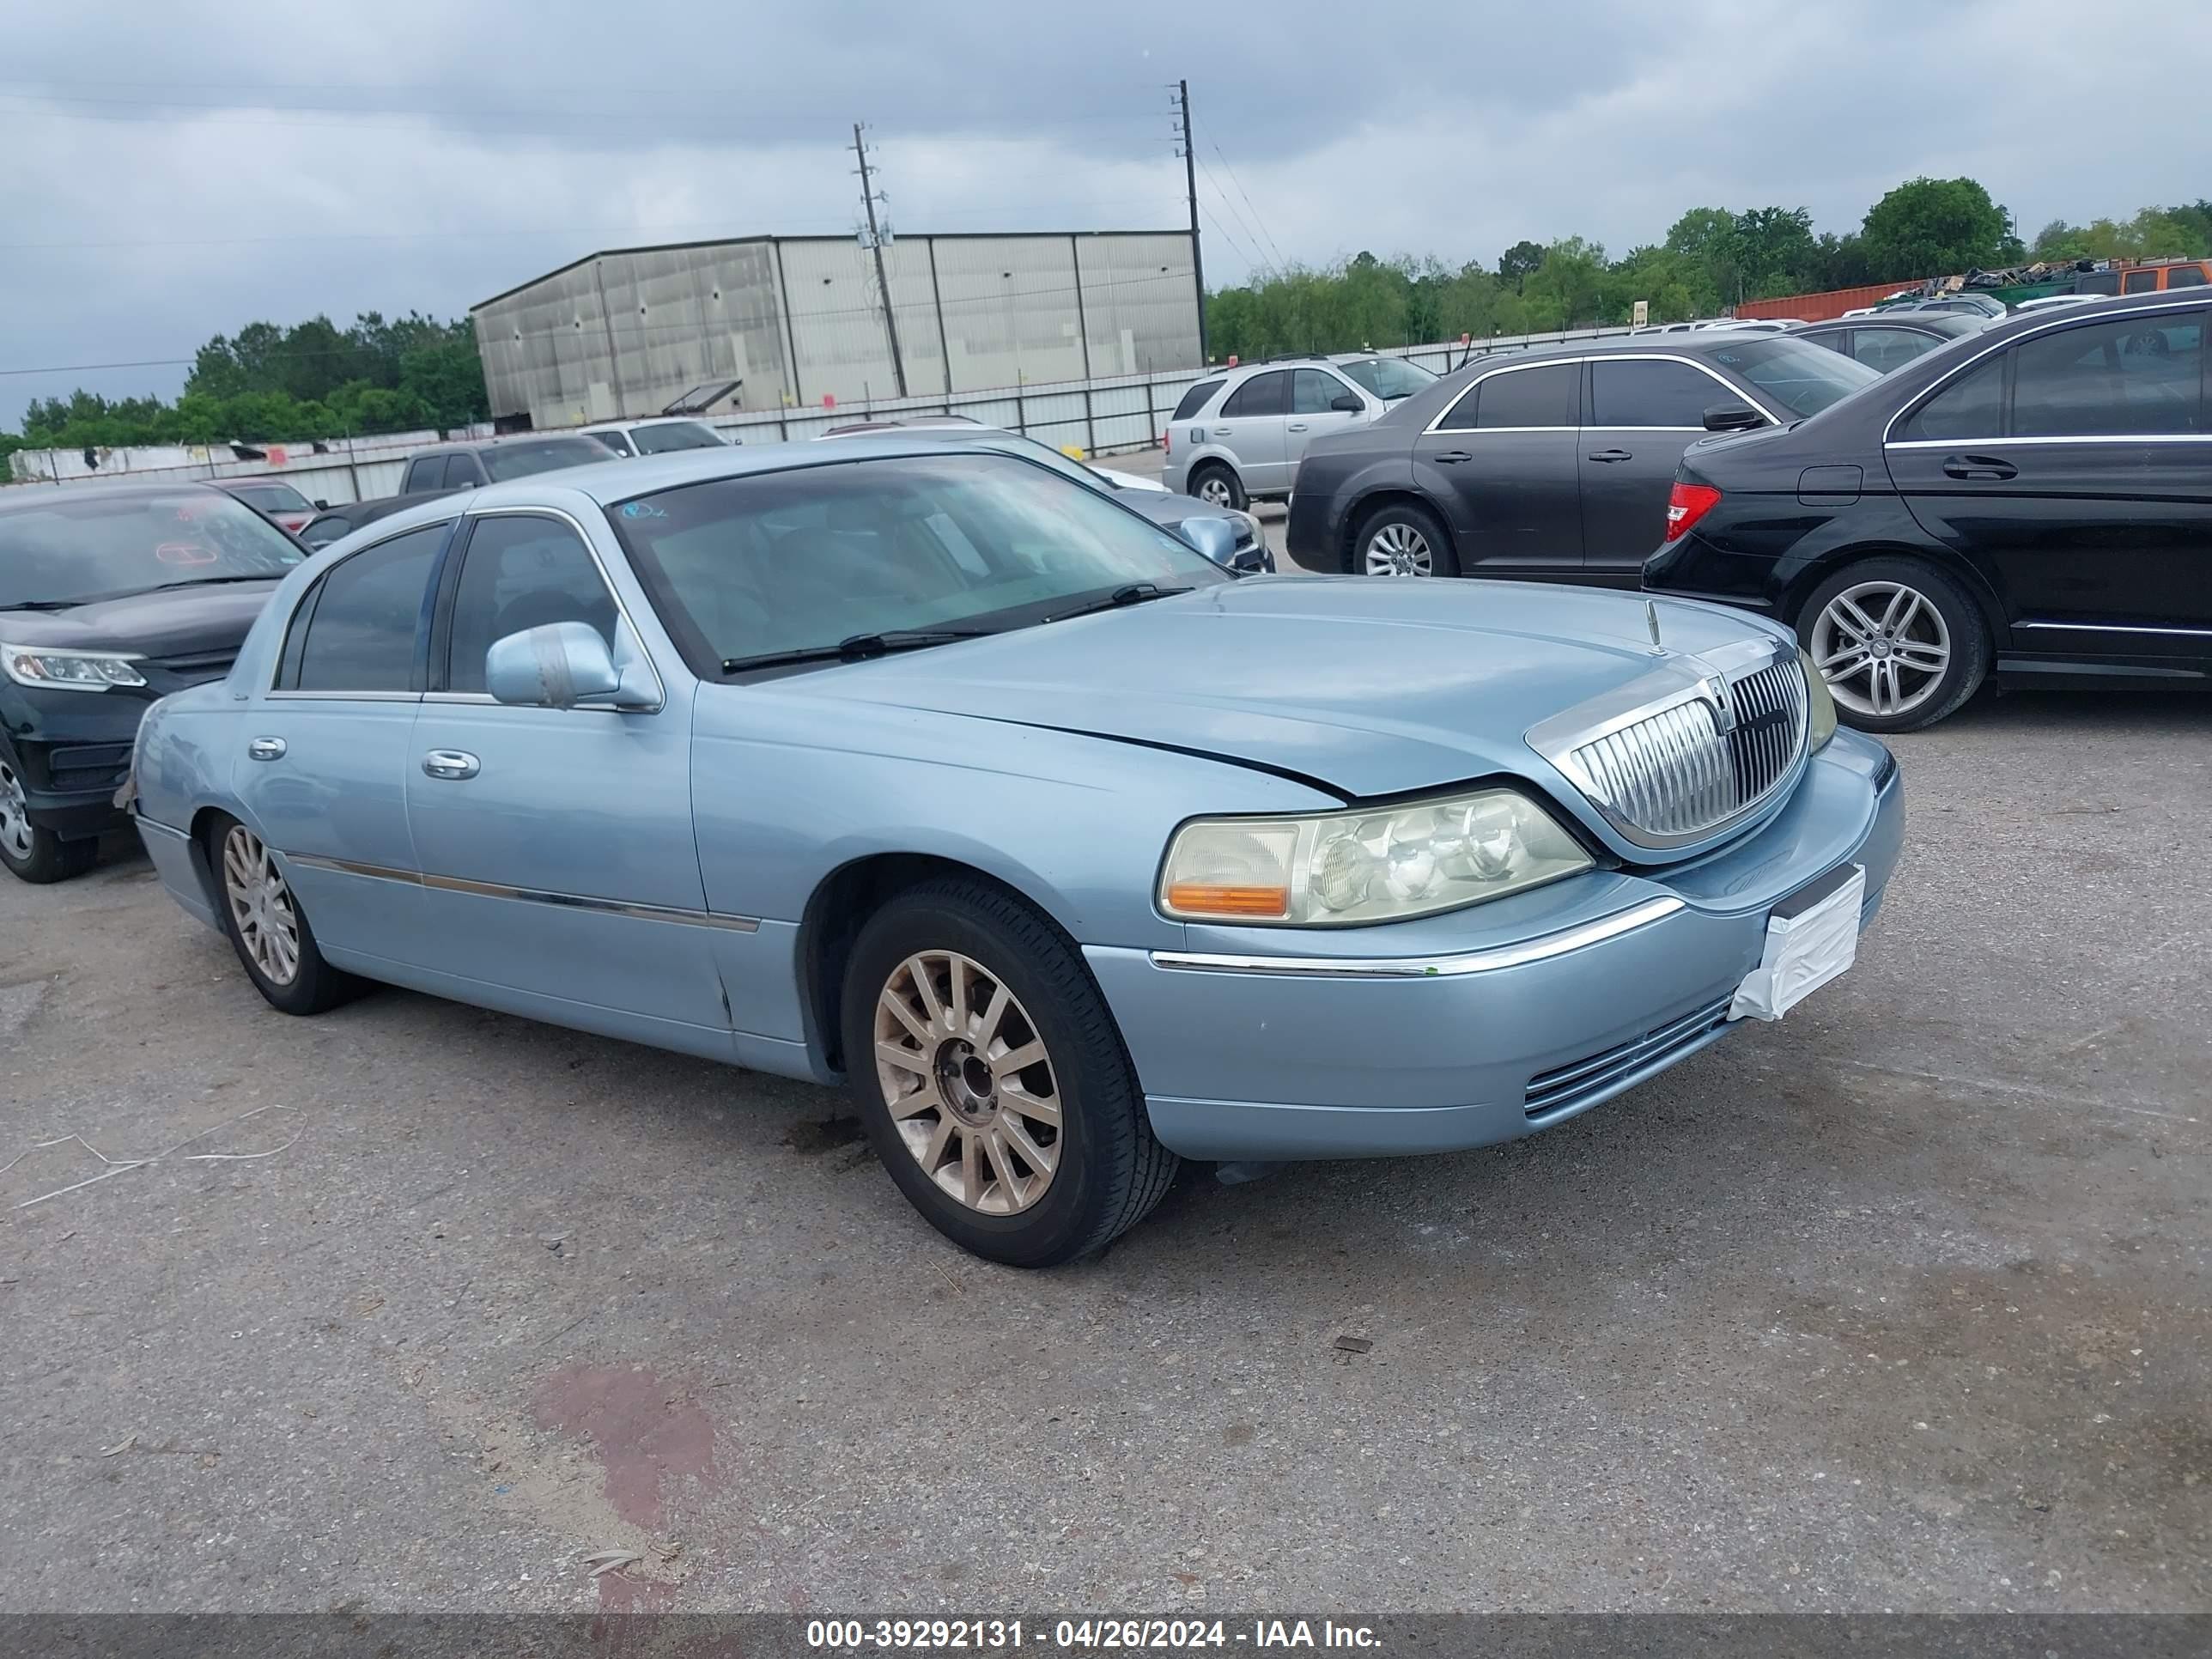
{"points": [[874, 239], [1190, 155]]}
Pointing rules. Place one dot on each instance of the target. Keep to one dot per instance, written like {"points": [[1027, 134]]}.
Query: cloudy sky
{"points": [[173, 170]]}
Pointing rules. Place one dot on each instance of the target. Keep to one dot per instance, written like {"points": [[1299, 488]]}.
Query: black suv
{"points": [[495, 460], [111, 596], [2033, 501]]}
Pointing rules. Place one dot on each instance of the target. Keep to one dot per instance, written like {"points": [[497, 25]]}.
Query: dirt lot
{"points": [[1903, 1303]]}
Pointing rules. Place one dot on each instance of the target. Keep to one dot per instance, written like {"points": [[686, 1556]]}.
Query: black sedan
{"points": [[2033, 501], [343, 520], [1889, 340], [111, 596], [1551, 464]]}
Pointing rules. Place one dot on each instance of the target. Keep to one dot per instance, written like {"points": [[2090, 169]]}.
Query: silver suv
{"points": [[1239, 436]]}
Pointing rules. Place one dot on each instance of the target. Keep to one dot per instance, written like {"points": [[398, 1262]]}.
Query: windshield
{"points": [[64, 551], [520, 460], [793, 560], [674, 435], [1388, 378], [1804, 378], [273, 497]]}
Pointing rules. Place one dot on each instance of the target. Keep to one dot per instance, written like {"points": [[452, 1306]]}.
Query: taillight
{"points": [[1167, 441], [1688, 503]]}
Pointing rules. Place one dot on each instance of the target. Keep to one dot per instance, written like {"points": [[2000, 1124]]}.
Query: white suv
{"points": [[1238, 436]]}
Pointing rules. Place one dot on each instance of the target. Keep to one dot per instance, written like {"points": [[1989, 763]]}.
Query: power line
{"points": [[1243, 253], [1260, 263], [1239, 183]]}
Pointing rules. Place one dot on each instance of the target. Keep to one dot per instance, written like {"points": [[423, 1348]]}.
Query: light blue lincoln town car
{"points": [[1072, 854]]}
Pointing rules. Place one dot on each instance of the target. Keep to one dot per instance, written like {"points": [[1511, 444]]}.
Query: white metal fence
{"points": [[1103, 415]]}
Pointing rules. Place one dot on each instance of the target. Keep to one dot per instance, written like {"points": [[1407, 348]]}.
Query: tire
{"points": [[294, 980], [31, 854], [1047, 1194], [1901, 644], [1228, 487], [1400, 538]]}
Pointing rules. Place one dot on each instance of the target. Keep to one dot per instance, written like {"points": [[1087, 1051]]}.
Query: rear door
{"points": [[1251, 427], [1502, 463], [2075, 471], [1643, 413]]}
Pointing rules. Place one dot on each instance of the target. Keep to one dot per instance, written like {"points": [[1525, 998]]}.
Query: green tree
{"points": [[1518, 263], [1566, 290], [1936, 227]]}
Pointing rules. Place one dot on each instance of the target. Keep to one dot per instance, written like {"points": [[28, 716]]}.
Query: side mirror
{"points": [[1732, 417], [1212, 536], [562, 666], [322, 506], [1346, 403]]}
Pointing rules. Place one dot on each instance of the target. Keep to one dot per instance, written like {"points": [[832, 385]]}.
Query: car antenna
{"points": [[1651, 617]]}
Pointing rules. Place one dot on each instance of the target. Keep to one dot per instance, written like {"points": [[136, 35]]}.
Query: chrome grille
{"points": [[1676, 775]]}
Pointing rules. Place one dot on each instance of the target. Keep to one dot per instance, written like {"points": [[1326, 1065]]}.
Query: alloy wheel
{"points": [[1213, 490], [1882, 646], [1399, 550], [968, 1083], [261, 906], [14, 815]]}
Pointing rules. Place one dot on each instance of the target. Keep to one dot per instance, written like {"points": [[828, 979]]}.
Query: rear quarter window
{"points": [[1195, 400]]}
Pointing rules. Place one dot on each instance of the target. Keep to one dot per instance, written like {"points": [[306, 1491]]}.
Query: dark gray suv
{"points": [[1552, 465]]}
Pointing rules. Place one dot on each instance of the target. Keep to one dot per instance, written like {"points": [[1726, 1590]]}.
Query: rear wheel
{"points": [[993, 1079], [1900, 643], [1217, 485], [267, 928], [1401, 539], [31, 854]]}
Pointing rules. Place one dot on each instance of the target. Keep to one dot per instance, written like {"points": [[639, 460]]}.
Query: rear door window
{"points": [[2133, 375], [1263, 394], [1650, 393], [1195, 400], [367, 618], [1548, 397], [2141, 282], [614, 440], [1884, 348], [1970, 407]]}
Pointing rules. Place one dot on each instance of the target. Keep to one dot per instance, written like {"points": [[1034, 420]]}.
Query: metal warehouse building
{"points": [[794, 320]]}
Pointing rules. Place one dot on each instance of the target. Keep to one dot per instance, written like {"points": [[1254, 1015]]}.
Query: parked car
{"points": [[1965, 301], [326, 528], [1750, 324], [449, 467], [1238, 437], [2155, 277], [1553, 464], [111, 595], [1892, 341], [1249, 553], [273, 499], [933, 770], [655, 437], [2034, 502]]}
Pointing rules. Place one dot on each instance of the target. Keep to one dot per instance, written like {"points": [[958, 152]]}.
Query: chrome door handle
{"points": [[452, 763], [266, 749], [1298, 426]]}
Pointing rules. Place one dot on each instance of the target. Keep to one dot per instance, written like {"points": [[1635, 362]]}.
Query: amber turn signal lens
{"points": [[1194, 898]]}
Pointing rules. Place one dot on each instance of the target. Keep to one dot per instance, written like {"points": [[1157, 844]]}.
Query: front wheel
{"points": [[268, 929], [993, 1079], [1900, 644], [31, 854]]}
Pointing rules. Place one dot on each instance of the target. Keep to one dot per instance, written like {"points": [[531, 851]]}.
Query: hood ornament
{"points": [[1651, 619]]}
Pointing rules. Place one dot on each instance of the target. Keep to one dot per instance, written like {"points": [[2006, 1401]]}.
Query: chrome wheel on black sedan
{"points": [[1398, 548], [1899, 643], [1402, 538], [29, 853]]}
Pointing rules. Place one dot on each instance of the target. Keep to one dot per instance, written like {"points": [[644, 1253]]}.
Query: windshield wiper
{"points": [[858, 647], [1134, 594], [41, 605], [210, 582]]}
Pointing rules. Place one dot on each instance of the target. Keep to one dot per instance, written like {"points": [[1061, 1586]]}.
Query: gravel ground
{"points": [[1901, 1304]]}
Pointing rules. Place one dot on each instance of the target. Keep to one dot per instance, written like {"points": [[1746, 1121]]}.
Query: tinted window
{"points": [[361, 634], [522, 460], [1530, 397], [2141, 282], [675, 434], [462, 472], [614, 440], [521, 572], [2132, 375], [800, 559], [325, 530], [1884, 348], [1311, 392], [1388, 378], [58, 548], [1195, 399], [1653, 394], [1971, 407], [424, 472], [2185, 276], [1836, 339], [1263, 394], [273, 497], [2098, 282], [1803, 378]]}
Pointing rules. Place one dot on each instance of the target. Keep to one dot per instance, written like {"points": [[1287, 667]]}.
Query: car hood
{"points": [[177, 621], [1367, 688]]}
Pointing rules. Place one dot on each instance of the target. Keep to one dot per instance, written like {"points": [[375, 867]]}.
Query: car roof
{"points": [[512, 438], [29, 498]]}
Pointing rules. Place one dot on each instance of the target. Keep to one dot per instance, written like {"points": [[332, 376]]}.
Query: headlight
{"points": [[68, 670], [1819, 705], [1378, 864]]}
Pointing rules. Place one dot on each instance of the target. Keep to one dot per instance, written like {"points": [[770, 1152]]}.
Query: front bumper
{"points": [[1254, 1047], [69, 788]]}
